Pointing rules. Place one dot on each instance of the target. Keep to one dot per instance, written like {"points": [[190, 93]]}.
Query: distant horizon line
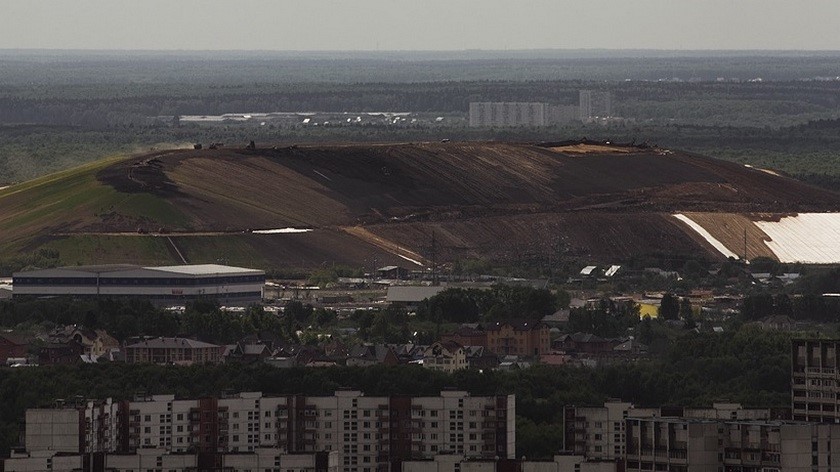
{"points": [[424, 51]]}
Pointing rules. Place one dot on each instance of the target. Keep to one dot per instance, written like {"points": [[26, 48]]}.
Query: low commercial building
{"points": [[161, 285], [411, 295]]}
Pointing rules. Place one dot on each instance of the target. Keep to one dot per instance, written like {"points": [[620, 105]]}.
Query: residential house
{"points": [[480, 358], [60, 353], [446, 356], [12, 346], [248, 352], [520, 338], [467, 335], [777, 323], [376, 354], [586, 343], [180, 351], [558, 319], [409, 353], [96, 343]]}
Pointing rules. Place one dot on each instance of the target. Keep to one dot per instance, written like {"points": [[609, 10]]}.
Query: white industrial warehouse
{"points": [[168, 284]]}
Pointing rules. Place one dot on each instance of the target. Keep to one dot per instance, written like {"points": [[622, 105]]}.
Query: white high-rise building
{"points": [[365, 434]]}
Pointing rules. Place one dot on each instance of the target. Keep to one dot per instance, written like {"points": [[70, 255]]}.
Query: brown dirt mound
{"points": [[597, 236], [351, 184], [497, 200]]}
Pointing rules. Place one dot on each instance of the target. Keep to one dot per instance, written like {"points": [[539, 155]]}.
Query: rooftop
{"points": [[162, 343], [135, 270], [202, 269]]}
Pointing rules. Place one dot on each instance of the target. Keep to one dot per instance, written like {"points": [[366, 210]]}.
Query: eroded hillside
{"points": [[366, 203]]}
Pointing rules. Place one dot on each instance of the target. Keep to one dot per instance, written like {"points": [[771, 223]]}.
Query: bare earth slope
{"points": [[382, 203]]}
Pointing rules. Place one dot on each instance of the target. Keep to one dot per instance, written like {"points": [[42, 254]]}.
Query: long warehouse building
{"points": [[161, 285]]}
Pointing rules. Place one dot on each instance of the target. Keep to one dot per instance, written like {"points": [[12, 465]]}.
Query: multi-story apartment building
{"points": [[682, 445], [157, 459], [599, 433], [521, 114], [367, 433], [560, 463], [594, 104], [815, 380], [508, 114]]}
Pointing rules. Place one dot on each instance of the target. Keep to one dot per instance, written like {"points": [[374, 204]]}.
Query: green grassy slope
{"points": [[36, 214]]}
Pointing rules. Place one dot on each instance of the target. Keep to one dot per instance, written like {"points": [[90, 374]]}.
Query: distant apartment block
{"points": [[815, 380], [599, 433], [534, 114], [594, 104], [508, 114], [692, 445], [560, 463], [156, 459], [367, 434]]}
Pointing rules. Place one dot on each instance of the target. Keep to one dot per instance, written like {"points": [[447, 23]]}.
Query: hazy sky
{"points": [[419, 24]]}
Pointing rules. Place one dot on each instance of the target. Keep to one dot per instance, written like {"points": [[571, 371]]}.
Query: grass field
{"points": [[86, 249], [233, 250], [74, 200]]}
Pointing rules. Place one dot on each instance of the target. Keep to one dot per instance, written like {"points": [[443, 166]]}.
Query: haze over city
{"points": [[420, 25]]}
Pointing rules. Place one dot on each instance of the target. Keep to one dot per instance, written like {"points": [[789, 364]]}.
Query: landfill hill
{"points": [[365, 204]]}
